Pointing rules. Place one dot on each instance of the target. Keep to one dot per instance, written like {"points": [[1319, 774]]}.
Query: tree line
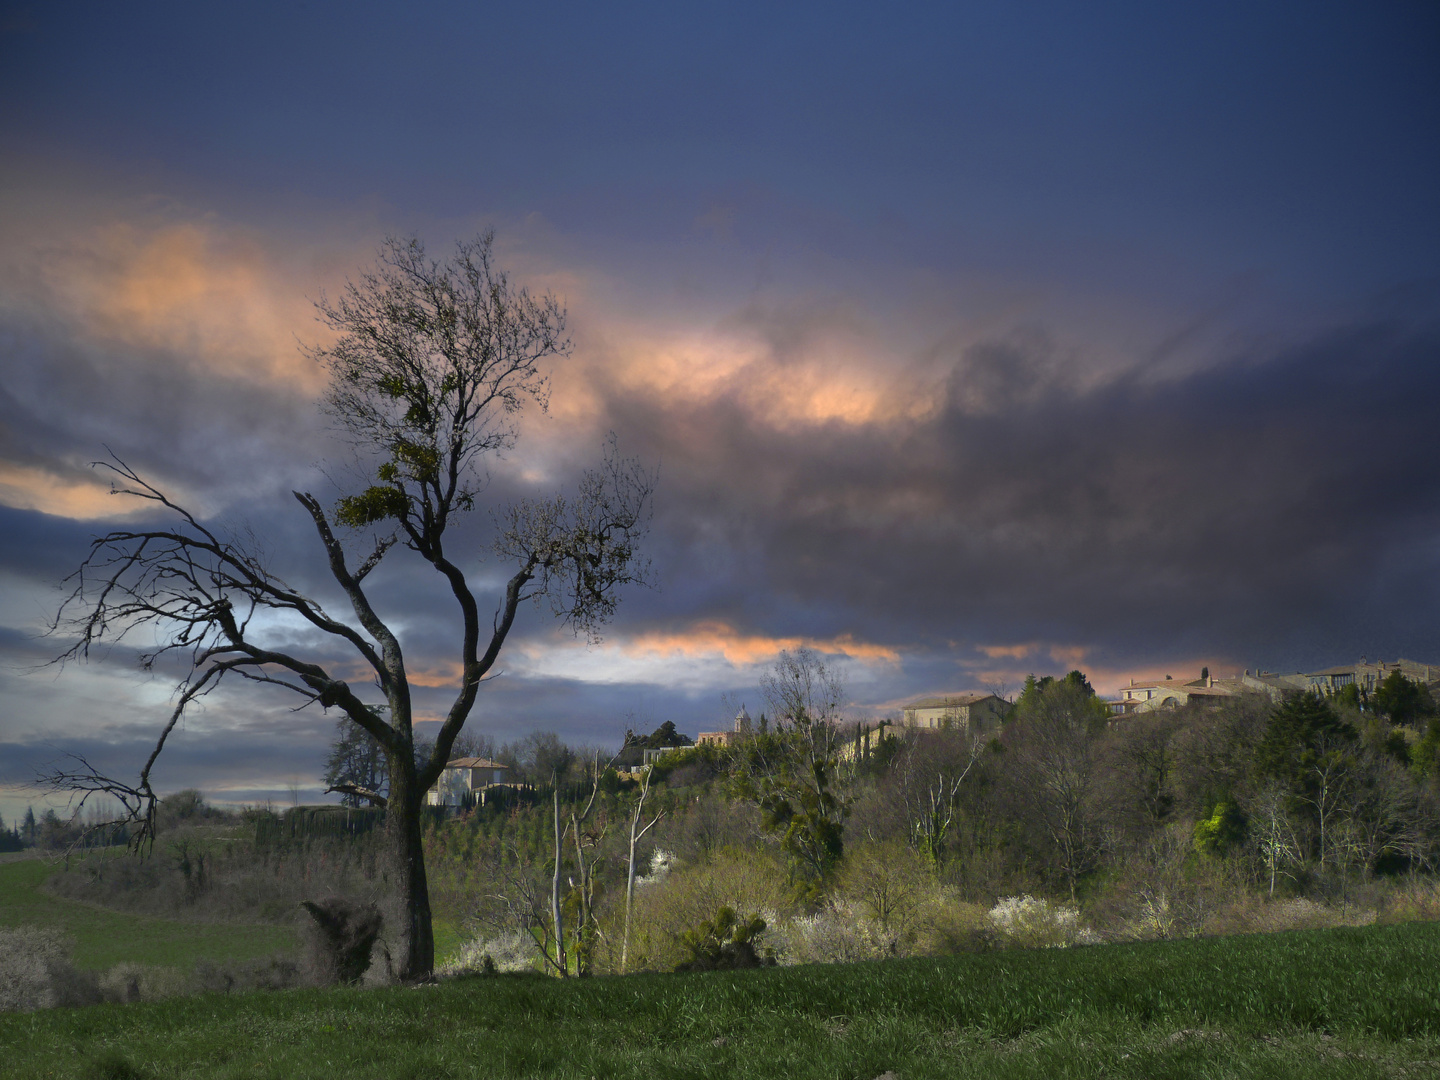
{"points": [[1149, 816]]}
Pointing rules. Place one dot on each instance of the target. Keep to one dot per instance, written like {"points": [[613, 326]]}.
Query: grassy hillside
{"points": [[1334, 1003], [104, 938]]}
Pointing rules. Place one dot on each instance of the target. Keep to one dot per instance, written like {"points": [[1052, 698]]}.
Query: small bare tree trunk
{"points": [[555, 889], [630, 872]]}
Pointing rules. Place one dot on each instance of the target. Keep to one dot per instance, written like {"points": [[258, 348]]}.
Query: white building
{"points": [[465, 776]]}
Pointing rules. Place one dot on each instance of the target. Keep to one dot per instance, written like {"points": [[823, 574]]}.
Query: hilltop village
{"points": [[983, 712]]}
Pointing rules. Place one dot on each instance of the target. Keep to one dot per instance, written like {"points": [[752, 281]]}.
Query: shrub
{"points": [[272, 973], [339, 940], [667, 906], [890, 883], [1413, 901], [836, 934], [724, 943], [949, 925], [1256, 915], [504, 953], [1034, 923], [36, 973]]}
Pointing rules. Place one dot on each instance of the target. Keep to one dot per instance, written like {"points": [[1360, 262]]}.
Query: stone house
{"points": [[961, 712]]}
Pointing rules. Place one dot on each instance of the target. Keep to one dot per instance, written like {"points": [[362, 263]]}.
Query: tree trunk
{"points": [[560, 961], [408, 931], [629, 898]]}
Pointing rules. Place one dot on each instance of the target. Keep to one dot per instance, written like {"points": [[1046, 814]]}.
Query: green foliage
{"points": [[372, 505], [792, 781], [692, 763], [1222, 830], [1403, 700], [1425, 757], [724, 943], [1301, 730], [1032, 693], [662, 736], [1350, 697], [357, 759], [1384, 739]]}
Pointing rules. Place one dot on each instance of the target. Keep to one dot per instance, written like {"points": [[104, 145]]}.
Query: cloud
{"points": [[1239, 506], [170, 339], [712, 637]]}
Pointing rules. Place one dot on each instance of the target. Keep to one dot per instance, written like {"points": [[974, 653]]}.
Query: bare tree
{"points": [[586, 927], [1329, 782], [637, 832], [929, 772], [1275, 831], [1055, 773], [1142, 757], [432, 364]]}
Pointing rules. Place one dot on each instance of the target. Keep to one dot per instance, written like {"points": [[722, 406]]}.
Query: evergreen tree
{"points": [[1403, 700], [1301, 729], [27, 827]]}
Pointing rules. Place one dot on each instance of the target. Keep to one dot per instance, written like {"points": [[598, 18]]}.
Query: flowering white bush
{"points": [[837, 934], [661, 863], [513, 951], [1032, 922]]}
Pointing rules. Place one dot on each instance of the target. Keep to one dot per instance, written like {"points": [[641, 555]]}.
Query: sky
{"points": [[970, 340]]}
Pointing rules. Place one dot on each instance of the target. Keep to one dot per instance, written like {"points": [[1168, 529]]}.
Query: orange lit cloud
{"points": [[786, 369], [78, 496], [816, 389], [214, 298], [81, 494], [1012, 652], [712, 638], [443, 674]]}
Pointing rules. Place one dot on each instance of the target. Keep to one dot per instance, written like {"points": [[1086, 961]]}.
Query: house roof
{"points": [[948, 702], [474, 763]]}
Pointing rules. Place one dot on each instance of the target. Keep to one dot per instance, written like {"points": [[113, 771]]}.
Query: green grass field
{"points": [[1334, 1003], [104, 938]]}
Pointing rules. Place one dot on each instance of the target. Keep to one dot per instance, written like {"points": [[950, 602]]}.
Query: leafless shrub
{"points": [[1414, 900], [1248, 914], [237, 977], [1158, 888], [36, 973]]}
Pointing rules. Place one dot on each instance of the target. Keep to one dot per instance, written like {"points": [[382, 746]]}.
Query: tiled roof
{"points": [[474, 763]]}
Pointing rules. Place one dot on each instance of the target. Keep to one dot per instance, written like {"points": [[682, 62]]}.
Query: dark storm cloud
{"points": [[1283, 503]]}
